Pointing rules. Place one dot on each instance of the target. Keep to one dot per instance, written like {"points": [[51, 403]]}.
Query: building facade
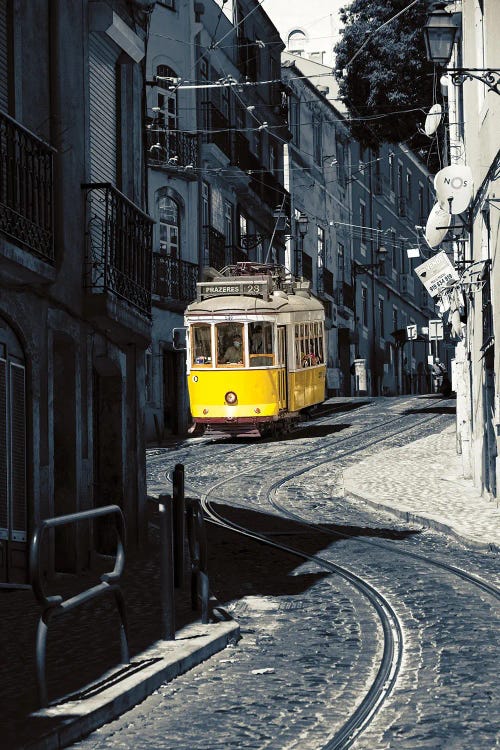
{"points": [[215, 159], [473, 302], [75, 268], [366, 209]]}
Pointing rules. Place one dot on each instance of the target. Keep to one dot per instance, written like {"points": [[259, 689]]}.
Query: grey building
{"points": [[215, 138], [75, 272]]}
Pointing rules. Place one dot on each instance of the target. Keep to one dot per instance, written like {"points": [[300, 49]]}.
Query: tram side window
{"points": [[229, 344], [309, 349], [261, 344], [201, 345]]}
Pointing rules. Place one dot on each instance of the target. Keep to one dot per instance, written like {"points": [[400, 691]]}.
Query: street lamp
{"points": [[440, 32], [360, 268], [303, 225]]}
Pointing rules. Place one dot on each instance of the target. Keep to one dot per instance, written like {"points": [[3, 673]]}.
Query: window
{"points": [[168, 213], [201, 346], [421, 205], [309, 350], [341, 262], [392, 235], [295, 120], [321, 247], [243, 227], [364, 306], [260, 336], [297, 42], [166, 99], [230, 344], [205, 204], [391, 171], [362, 221], [408, 186], [400, 179], [341, 162], [394, 319], [381, 317], [317, 147], [228, 222]]}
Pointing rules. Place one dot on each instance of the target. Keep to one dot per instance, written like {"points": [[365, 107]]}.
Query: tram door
{"points": [[282, 386]]}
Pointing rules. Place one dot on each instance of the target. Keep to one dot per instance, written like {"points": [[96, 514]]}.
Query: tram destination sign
{"points": [[248, 287]]}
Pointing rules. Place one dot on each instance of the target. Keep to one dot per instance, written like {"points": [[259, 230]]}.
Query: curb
{"points": [[118, 691], [427, 522]]}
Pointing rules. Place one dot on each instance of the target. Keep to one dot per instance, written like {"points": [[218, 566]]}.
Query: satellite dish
{"points": [[437, 225], [433, 119], [454, 187]]}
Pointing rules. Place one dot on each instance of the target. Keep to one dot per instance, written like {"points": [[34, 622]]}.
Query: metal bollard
{"points": [[166, 568], [179, 523]]}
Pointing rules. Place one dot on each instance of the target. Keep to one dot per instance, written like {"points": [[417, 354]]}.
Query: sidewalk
{"points": [[423, 482], [87, 686]]}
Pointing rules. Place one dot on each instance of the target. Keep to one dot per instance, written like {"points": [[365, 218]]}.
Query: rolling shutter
{"points": [[103, 108]]}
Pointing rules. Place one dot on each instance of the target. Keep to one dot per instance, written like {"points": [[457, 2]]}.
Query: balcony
{"points": [[235, 254], [118, 263], [214, 247], [171, 150], [26, 204], [174, 279]]}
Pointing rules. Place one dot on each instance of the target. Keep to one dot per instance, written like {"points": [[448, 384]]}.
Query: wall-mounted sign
{"points": [[436, 329], [437, 273], [411, 332]]}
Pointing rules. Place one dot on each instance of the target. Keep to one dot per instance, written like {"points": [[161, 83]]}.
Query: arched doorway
{"points": [[13, 486]]}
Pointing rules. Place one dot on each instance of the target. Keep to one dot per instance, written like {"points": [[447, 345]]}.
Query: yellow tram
{"points": [[255, 350]]}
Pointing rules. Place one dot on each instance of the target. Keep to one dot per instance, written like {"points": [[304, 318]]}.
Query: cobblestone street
{"points": [[310, 642]]}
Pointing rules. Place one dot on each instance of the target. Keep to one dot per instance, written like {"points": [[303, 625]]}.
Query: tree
{"points": [[391, 73]]}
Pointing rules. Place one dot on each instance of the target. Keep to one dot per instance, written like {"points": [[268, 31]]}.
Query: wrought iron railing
{"points": [[26, 188], [214, 245], [119, 247], [174, 278], [172, 149]]}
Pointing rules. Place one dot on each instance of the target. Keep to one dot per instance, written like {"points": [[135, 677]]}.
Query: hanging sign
{"points": [[437, 273]]}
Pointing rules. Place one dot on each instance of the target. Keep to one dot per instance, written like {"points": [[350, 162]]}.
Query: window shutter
{"points": [[103, 108]]}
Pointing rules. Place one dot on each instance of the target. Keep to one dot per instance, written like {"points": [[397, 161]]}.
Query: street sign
{"points": [[411, 332], [437, 273], [436, 330]]}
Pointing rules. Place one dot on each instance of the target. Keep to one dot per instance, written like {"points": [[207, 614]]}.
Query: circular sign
{"points": [[454, 187], [433, 119], [437, 225]]}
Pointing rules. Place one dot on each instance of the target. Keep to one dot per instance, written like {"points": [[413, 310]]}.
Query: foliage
{"points": [[390, 75]]}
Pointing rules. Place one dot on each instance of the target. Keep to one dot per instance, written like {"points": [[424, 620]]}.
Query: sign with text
{"points": [[437, 273], [250, 287], [436, 330], [411, 332]]}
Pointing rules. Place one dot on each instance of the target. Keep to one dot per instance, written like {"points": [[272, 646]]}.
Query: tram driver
{"points": [[233, 354]]}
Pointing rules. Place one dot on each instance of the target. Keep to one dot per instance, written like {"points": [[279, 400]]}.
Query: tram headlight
{"points": [[231, 398]]}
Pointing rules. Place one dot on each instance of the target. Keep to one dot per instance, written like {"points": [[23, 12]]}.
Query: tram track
{"points": [[390, 662], [389, 623]]}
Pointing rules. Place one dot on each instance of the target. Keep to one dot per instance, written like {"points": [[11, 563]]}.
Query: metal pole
{"points": [[166, 568], [179, 523]]}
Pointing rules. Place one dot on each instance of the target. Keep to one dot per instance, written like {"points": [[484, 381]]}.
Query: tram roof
{"points": [[279, 302]]}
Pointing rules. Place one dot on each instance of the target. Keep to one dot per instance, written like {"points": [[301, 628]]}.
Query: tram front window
{"points": [[201, 345], [261, 344], [230, 344]]}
